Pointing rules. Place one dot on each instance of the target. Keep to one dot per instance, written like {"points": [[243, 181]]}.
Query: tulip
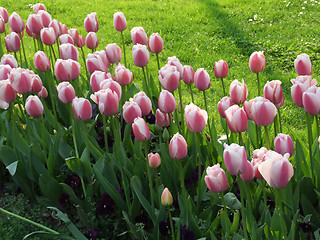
{"points": [[20, 80], [113, 85], [216, 179], [166, 102], [130, 111], [162, 119], [223, 105], [300, 85], [66, 38], [139, 36], [36, 83], [34, 23], [237, 119], [97, 61], [16, 23], [257, 62], [10, 60], [258, 155], [48, 36], [119, 21], [123, 75], [166, 198], [56, 25], [140, 55], [141, 130], [178, 148], [283, 144], [73, 32], [66, 92], [302, 64], [81, 42], [12, 41], [4, 14], [238, 92], [155, 43], [235, 159], [41, 61], [37, 7], [174, 61], [311, 100], [107, 101], [92, 41], [154, 160], [82, 109], [195, 117], [34, 106], [91, 22], [221, 69], [43, 93], [202, 79], [46, 17], [68, 51], [64, 29], [4, 71], [273, 92], [188, 74], [7, 93], [144, 103], [66, 70], [276, 169], [2, 25], [169, 77], [96, 78], [248, 175], [113, 52]]}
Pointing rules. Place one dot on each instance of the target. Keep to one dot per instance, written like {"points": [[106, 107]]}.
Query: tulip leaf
{"points": [[85, 159], [50, 187], [46, 235], [75, 165], [293, 226], [12, 168], [20, 143], [232, 201]]}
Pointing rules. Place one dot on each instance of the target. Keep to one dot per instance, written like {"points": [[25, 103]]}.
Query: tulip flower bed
{"points": [[119, 150]]}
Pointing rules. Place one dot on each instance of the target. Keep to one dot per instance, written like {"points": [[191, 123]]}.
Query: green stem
{"points": [[51, 86], [267, 137], [105, 133], [43, 137], [243, 213], [206, 106], [317, 123], [258, 136], [20, 56], [15, 56], [275, 125], [182, 109], [199, 168], [279, 205], [181, 174], [258, 84], [73, 123], [83, 188], [34, 44], [263, 185], [279, 113], [58, 47], [124, 50], [309, 127], [225, 209], [158, 70], [24, 52], [149, 173], [54, 55], [171, 224], [224, 90], [1, 49], [146, 83], [240, 139], [190, 88]]}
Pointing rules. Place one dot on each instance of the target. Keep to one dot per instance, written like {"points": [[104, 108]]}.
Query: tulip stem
{"points": [[24, 52], [263, 185], [310, 145], [50, 87], [223, 87], [20, 56], [171, 224], [181, 109], [43, 137], [240, 139], [105, 133], [206, 106], [258, 136], [225, 209], [124, 50], [267, 137], [34, 44], [15, 56], [1, 49], [258, 84], [199, 169], [190, 87], [280, 124], [275, 125], [54, 55], [73, 126], [146, 151], [146, 83], [279, 206], [58, 47], [317, 123], [243, 213]]}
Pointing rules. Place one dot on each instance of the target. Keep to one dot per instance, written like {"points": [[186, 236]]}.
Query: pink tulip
{"points": [[238, 92], [2, 25], [223, 105], [113, 52], [34, 106], [7, 93], [216, 179], [36, 83], [283, 144], [16, 23], [56, 25], [4, 14], [37, 7], [4, 71], [195, 117], [141, 130], [144, 103], [66, 70], [107, 101], [302, 64], [12, 41], [41, 61], [237, 119], [174, 61], [178, 148], [28, 31], [235, 159], [92, 41], [43, 93], [166, 198], [248, 175], [202, 79], [162, 119], [64, 29], [258, 155], [48, 36], [154, 160], [96, 78], [81, 42], [82, 109], [169, 77], [66, 92], [91, 22], [131, 110], [155, 43], [45, 17], [221, 69], [34, 23], [276, 169], [73, 32], [257, 62], [300, 85], [273, 92], [113, 85], [140, 55], [311, 100], [97, 62], [20, 80], [123, 75], [188, 74], [10, 60], [66, 38], [119, 21], [139, 36], [68, 51], [166, 102]]}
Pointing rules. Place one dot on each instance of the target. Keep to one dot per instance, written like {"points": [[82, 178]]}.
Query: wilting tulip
{"points": [[248, 175], [257, 62], [202, 79], [16, 23], [216, 179], [34, 106], [91, 22], [140, 55], [162, 119], [130, 111], [4, 71], [43, 93], [20, 80], [81, 42], [37, 7], [223, 105], [273, 92], [141, 130], [169, 77], [4, 14], [107, 101], [113, 52], [12, 41], [178, 147], [82, 109], [92, 41], [7, 93], [311, 100], [283, 144], [155, 43], [154, 160], [2, 25], [97, 61], [300, 85], [238, 92], [235, 159], [276, 169], [48, 36], [237, 119], [166, 102], [119, 21], [144, 103], [66, 92], [41, 61], [174, 61], [113, 85], [34, 23], [96, 78], [302, 64], [166, 198], [221, 69], [66, 38], [139, 36], [195, 117], [10, 60], [257, 158], [36, 83], [188, 74], [68, 51], [123, 75], [56, 25], [73, 32], [66, 70]]}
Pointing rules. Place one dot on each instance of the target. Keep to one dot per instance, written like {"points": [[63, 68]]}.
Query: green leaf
{"points": [[20, 143], [276, 220], [85, 158], [225, 221], [235, 222], [232, 201], [72, 195], [50, 187], [75, 165], [293, 226], [12, 168], [46, 235]]}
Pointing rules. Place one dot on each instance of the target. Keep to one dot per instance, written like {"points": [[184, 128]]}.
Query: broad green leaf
{"points": [[12, 168], [50, 187], [232, 201], [75, 165], [20, 143]]}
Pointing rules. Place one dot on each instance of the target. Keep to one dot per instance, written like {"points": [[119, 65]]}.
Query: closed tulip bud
{"points": [[144, 103], [141, 130], [2, 25], [302, 64], [20, 80], [166, 102], [237, 119], [4, 14], [123, 75], [92, 41], [82, 109], [56, 25], [48, 36], [188, 74], [41, 61], [96, 78], [16, 23], [248, 175], [139, 36], [263, 111], [130, 111], [113, 52], [178, 147], [34, 23], [283, 144], [166, 198], [311, 100], [216, 179], [273, 91], [169, 77], [64, 29], [235, 159], [91, 22], [46, 17], [221, 69], [73, 32], [238, 92], [154, 160], [162, 119], [81, 42], [202, 79], [36, 83], [258, 155], [34, 106], [119, 21], [223, 105], [155, 43], [195, 117], [98, 61], [43, 93], [66, 38], [174, 61], [276, 169], [7, 93], [113, 85], [37, 7], [5, 71], [10, 60], [107, 101], [68, 51], [257, 62], [66, 92], [140, 55], [66, 70], [12, 41], [28, 31], [300, 85]]}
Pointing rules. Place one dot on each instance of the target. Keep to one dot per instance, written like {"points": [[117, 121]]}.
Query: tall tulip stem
{"points": [[145, 82], [223, 87], [50, 87], [190, 88], [225, 209], [72, 120], [182, 109], [124, 50], [24, 52], [317, 123], [243, 213], [280, 123], [280, 209], [206, 106], [146, 146], [1, 49], [258, 84], [104, 120], [309, 127], [171, 224], [267, 137], [240, 139]]}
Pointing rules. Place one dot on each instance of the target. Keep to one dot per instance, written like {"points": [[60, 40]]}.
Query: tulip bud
{"points": [[107, 101], [20, 80], [188, 74], [37, 7], [166, 102], [169, 77], [2, 25], [10, 60], [238, 92], [66, 92], [41, 61], [45, 17], [174, 61], [4, 14], [131, 110], [223, 105], [144, 103], [66, 70], [43, 93], [81, 42], [66, 38], [162, 119], [195, 117], [34, 23], [92, 41], [235, 159], [48, 36], [257, 62], [91, 22], [113, 85], [248, 175], [257, 156], [68, 51], [237, 119], [311, 100], [64, 29], [7, 93], [36, 83], [166, 198], [73, 32], [221, 69], [302, 64], [4, 71], [300, 85], [12, 42], [140, 55], [96, 78], [155, 43], [154, 160], [178, 148], [202, 79], [141, 130], [56, 25], [82, 109], [113, 53], [283, 144], [97, 61], [139, 36], [16, 23], [273, 91], [216, 179], [119, 21], [123, 75], [34, 106]]}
